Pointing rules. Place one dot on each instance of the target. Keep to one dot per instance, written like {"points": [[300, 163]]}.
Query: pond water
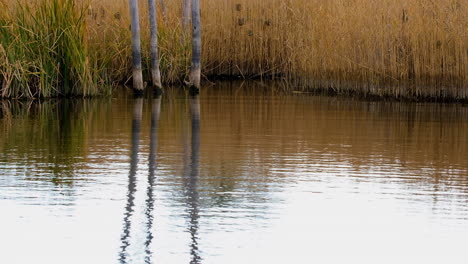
{"points": [[242, 173]]}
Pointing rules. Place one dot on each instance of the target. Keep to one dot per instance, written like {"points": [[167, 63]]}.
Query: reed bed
{"points": [[391, 48], [386, 48], [43, 50]]}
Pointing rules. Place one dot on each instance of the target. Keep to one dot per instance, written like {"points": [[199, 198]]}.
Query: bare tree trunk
{"points": [[136, 47], [163, 9], [195, 70], [155, 71], [185, 17]]}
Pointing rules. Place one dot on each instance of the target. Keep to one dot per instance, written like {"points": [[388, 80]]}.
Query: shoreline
{"points": [[266, 86]]}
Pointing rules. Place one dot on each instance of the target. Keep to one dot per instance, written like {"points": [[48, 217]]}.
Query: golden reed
{"points": [[387, 47]]}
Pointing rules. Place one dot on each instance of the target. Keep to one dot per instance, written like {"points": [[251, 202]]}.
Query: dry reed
{"points": [[397, 48], [386, 48]]}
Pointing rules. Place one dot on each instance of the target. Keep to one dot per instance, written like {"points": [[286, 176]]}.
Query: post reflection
{"points": [[191, 175], [155, 113], [129, 208], [191, 172]]}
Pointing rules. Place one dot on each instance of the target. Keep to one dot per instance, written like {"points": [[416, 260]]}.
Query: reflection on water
{"points": [[155, 113], [191, 175], [191, 165], [136, 129], [234, 175], [129, 209]]}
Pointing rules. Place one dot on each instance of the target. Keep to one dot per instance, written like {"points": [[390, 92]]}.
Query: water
{"points": [[235, 176]]}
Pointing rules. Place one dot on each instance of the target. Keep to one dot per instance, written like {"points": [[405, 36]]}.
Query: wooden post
{"points": [[185, 17], [136, 48], [195, 69], [163, 10], [155, 71]]}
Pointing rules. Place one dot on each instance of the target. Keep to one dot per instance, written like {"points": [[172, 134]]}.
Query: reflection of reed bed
{"points": [[248, 137], [244, 132], [5, 115], [414, 136], [12, 113], [52, 134], [385, 48]]}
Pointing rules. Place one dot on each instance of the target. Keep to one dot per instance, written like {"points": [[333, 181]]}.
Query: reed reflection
{"points": [[129, 208], [56, 127], [191, 175], [155, 113]]}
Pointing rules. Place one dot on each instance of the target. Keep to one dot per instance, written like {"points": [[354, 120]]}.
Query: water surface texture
{"points": [[233, 176]]}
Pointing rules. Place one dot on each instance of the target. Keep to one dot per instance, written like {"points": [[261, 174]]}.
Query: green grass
{"points": [[43, 52]]}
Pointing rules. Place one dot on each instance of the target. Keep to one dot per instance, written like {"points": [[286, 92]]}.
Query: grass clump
{"points": [[43, 50]]}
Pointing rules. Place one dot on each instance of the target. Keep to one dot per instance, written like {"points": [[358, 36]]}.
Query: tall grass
{"points": [[43, 51], [385, 47], [392, 48], [108, 34]]}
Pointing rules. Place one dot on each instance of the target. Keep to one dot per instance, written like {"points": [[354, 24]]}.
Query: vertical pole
{"points": [[136, 47], [185, 17], [155, 71], [163, 10], [195, 70]]}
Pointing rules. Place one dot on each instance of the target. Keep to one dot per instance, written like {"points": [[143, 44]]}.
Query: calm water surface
{"points": [[234, 176]]}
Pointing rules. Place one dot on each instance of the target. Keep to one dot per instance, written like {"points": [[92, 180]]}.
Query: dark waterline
{"points": [[233, 176]]}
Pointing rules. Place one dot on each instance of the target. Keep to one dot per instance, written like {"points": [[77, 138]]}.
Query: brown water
{"points": [[234, 176]]}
